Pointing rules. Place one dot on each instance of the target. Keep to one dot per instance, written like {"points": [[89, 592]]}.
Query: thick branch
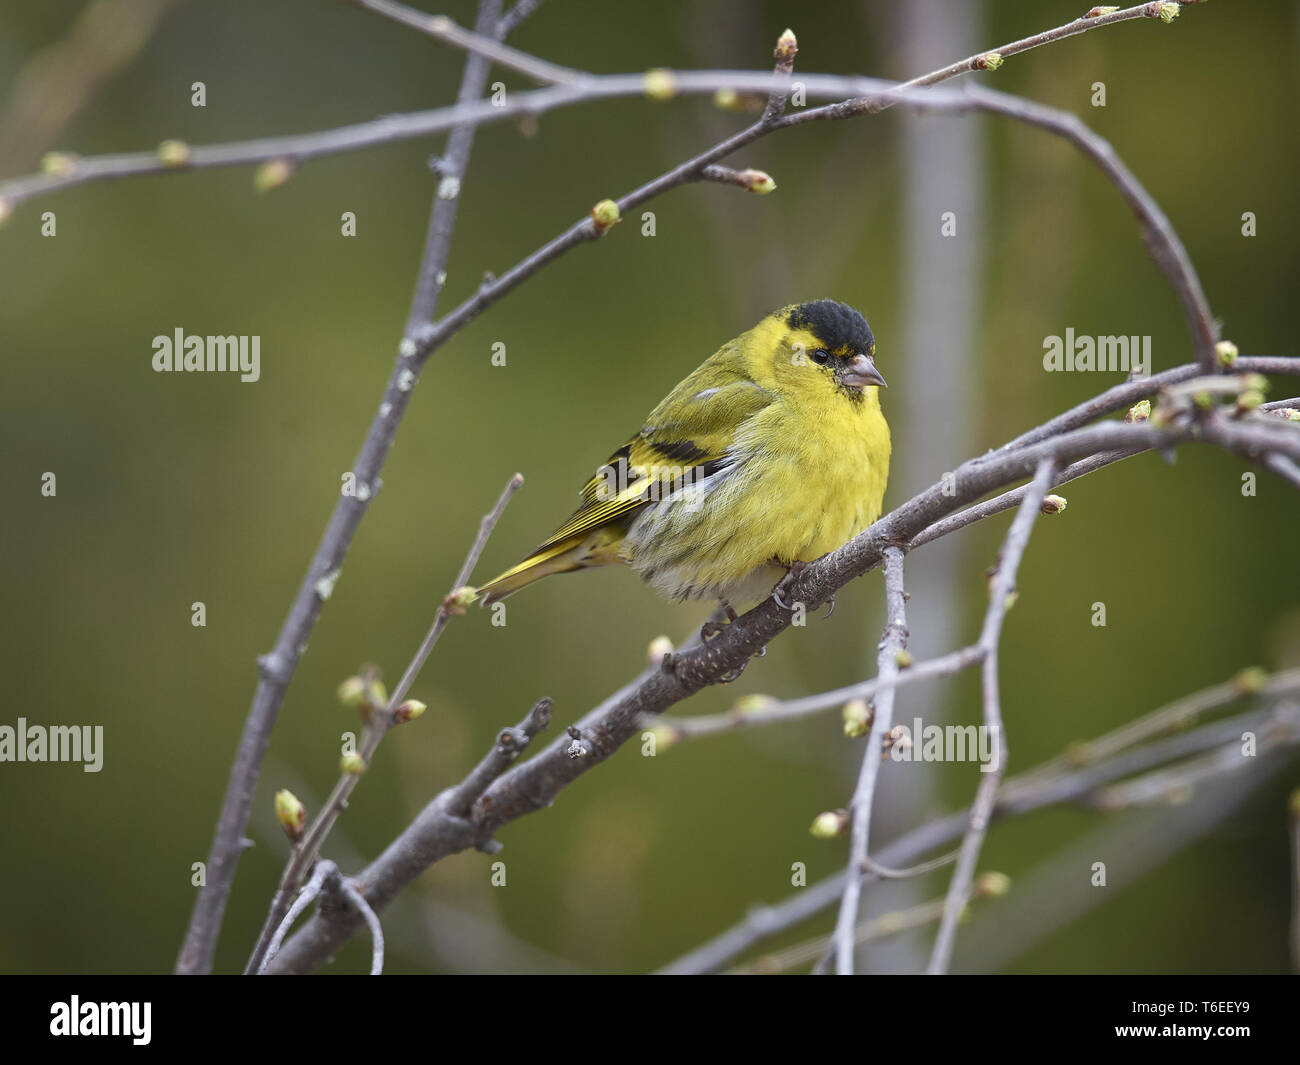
{"points": [[535, 784]]}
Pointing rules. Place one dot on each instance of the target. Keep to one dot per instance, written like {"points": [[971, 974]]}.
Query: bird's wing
{"points": [[687, 437]]}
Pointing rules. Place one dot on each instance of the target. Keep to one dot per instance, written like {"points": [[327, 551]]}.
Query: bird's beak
{"points": [[860, 371]]}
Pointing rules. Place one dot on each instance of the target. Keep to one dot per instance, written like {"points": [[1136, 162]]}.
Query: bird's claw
{"points": [[712, 627], [732, 674], [796, 568]]}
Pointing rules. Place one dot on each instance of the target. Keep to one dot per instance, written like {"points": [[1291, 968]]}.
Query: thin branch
{"points": [[984, 60], [892, 645], [1121, 397], [867, 96], [1281, 726], [534, 784], [379, 721], [277, 668], [1281, 404], [443, 29], [511, 743], [421, 340], [1171, 718], [362, 907], [981, 813], [794, 709], [304, 899], [882, 927], [513, 18], [449, 608], [327, 880]]}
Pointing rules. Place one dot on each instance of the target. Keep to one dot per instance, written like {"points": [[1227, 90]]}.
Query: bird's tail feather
{"points": [[599, 548]]}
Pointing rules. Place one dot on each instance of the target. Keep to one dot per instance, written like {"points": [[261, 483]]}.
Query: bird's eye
{"points": [[821, 356]]}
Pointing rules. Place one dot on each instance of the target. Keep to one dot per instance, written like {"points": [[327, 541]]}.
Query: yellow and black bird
{"points": [[773, 452]]}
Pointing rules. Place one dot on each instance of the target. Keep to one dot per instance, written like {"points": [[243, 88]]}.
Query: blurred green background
{"points": [[181, 488]]}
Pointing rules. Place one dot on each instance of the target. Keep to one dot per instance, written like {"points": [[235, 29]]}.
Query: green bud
{"points": [[858, 716], [830, 824], [352, 763], [173, 153], [1169, 12], [1139, 412], [458, 599], [726, 100], [408, 711], [1291, 414], [605, 214], [1203, 399], [659, 646], [752, 704], [665, 736], [757, 181], [660, 84], [291, 814], [787, 46], [991, 885], [1250, 399], [1226, 352], [902, 659], [352, 692], [1097, 12], [272, 174], [1250, 680], [1052, 505], [988, 61], [57, 164]]}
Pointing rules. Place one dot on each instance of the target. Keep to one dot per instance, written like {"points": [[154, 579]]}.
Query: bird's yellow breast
{"points": [[809, 473]]}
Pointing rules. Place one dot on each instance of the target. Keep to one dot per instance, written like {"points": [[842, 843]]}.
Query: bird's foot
{"points": [[796, 568], [714, 626]]}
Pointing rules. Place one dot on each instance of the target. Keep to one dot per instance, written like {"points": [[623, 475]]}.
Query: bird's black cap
{"points": [[837, 325]]}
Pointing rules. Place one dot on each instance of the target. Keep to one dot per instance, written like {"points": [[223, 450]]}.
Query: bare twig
{"points": [[380, 720], [304, 899], [793, 709], [887, 924], [448, 607], [516, 16], [325, 880], [277, 668], [1171, 718], [441, 28], [1281, 725], [1004, 584], [892, 645], [511, 743], [423, 337], [534, 784], [362, 907]]}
